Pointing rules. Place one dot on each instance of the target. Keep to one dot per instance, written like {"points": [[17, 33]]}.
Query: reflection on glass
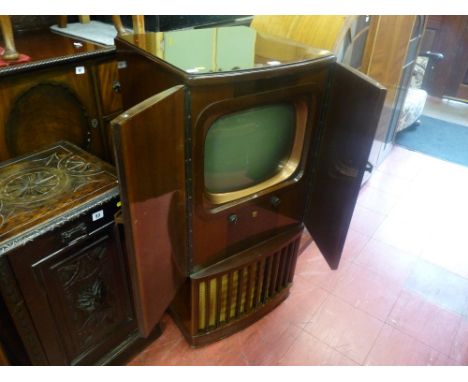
{"points": [[245, 148], [225, 49]]}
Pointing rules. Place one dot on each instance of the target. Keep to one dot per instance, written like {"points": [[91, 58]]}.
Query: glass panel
{"points": [[200, 59], [363, 21], [358, 50], [418, 28], [412, 50], [405, 77], [223, 49], [248, 147]]}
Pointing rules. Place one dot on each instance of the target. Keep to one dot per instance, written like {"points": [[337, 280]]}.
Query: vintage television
{"points": [[233, 141]]}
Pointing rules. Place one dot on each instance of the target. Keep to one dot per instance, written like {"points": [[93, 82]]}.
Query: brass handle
{"points": [[342, 170], [233, 218], [118, 218], [116, 86], [74, 234]]}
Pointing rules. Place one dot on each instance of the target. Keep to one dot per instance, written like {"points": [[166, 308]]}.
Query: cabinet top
{"points": [[222, 49], [43, 190], [46, 48]]}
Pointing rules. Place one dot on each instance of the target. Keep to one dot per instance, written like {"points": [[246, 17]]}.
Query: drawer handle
{"points": [[116, 87], [74, 233], [342, 170]]}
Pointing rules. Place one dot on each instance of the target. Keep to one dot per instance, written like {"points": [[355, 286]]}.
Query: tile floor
{"points": [[399, 297], [446, 109]]}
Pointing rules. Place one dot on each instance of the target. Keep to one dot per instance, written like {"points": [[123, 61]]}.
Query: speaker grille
{"points": [[228, 296]]}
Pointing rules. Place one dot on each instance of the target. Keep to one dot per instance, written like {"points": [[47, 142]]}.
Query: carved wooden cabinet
{"points": [[63, 277], [67, 91]]}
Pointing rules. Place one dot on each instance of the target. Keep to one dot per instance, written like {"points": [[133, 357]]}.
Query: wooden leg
{"points": [[7, 31], [62, 21], [84, 19], [119, 26], [138, 24]]}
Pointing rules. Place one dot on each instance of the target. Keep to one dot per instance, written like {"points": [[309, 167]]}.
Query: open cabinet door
{"points": [[149, 153], [354, 109]]}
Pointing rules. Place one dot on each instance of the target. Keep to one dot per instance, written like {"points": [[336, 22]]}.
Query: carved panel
{"points": [[87, 295], [36, 188]]}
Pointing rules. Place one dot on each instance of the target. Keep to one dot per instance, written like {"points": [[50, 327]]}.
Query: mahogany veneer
{"points": [[219, 266], [68, 91]]}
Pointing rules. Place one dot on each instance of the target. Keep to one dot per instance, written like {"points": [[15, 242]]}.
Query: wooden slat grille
{"points": [[228, 296]]}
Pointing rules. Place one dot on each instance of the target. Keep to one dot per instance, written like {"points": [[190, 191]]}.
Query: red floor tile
{"points": [[440, 287], [443, 176], [403, 163], [314, 270], [156, 355], [220, 353], [345, 328], [391, 184], [394, 348], [226, 352], [261, 350], [376, 200], [405, 234], [355, 242], [424, 186], [366, 221], [448, 250], [459, 351], [443, 360], [368, 291], [309, 351], [417, 211], [426, 322], [161, 348], [298, 308], [387, 260]]}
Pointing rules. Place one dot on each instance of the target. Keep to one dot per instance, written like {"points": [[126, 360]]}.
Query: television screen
{"points": [[248, 147]]}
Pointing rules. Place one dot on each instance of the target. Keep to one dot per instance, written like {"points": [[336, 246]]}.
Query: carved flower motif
{"points": [[78, 166], [91, 298], [29, 186]]}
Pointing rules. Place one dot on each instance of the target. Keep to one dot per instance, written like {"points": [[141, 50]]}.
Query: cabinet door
{"points": [[78, 295], [353, 112], [149, 151], [88, 297]]}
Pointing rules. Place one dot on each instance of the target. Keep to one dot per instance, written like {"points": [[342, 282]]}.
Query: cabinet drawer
{"points": [[75, 231]]}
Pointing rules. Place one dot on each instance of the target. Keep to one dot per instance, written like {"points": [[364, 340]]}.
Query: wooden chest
{"points": [[63, 278]]}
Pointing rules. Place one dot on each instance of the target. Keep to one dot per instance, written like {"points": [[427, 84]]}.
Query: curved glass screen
{"points": [[248, 147]]}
